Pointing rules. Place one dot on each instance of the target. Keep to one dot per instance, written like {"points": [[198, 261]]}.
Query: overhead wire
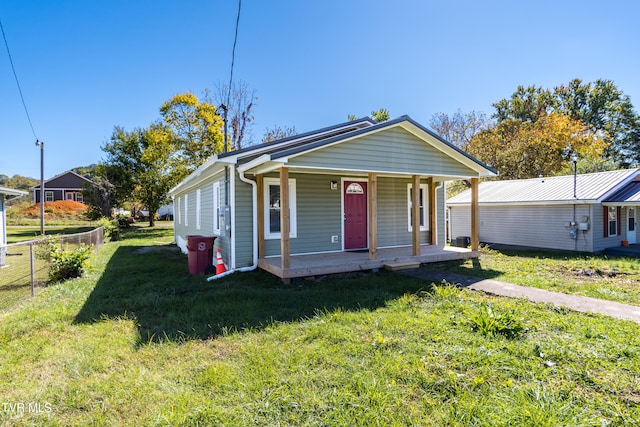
{"points": [[233, 51], [15, 75]]}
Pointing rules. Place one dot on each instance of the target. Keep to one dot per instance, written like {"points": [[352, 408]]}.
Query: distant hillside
{"points": [[17, 182], [88, 172]]}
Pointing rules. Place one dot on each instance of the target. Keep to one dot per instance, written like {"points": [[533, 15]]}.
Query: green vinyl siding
{"points": [[319, 216], [243, 226], [319, 213], [391, 150], [188, 226], [393, 216], [441, 215]]}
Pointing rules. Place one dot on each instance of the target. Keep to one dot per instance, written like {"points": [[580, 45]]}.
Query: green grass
{"points": [[139, 342], [596, 276]]}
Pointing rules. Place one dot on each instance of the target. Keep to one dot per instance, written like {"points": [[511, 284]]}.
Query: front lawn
{"points": [[596, 276], [139, 342]]}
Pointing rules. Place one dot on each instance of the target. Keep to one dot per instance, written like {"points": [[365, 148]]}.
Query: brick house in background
{"points": [[65, 186]]}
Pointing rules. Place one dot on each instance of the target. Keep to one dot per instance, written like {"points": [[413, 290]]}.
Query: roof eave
{"points": [[529, 203], [411, 126], [193, 178]]}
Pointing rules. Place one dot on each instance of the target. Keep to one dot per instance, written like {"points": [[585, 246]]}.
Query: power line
{"points": [[233, 60], [233, 52], [17, 81]]}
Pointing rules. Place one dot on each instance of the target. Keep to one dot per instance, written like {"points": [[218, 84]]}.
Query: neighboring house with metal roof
{"points": [[5, 193], [65, 186], [333, 200], [587, 212]]}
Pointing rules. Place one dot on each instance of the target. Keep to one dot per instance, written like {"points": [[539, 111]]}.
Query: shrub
{"points": [[66, 264], [125, 221], [490, 323], [111, 228]]}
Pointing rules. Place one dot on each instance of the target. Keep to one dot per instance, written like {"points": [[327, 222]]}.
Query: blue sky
{"points": [[87, 66]]}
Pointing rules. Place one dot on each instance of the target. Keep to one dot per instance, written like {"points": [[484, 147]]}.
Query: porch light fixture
{"points": [[334, 185]]}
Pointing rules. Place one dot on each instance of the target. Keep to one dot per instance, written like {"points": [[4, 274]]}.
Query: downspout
{"points": [[254, 196]]}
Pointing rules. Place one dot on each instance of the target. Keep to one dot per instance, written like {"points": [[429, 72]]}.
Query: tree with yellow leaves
{"points": [[526, 149]]}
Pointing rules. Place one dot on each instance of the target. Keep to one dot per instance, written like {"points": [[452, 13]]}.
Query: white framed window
{"points": [[79, 198], [272, 208], [612, 220], [48, 196], [186, 210], [198, 209], [424, 208], [179, 210], [216, 207]]}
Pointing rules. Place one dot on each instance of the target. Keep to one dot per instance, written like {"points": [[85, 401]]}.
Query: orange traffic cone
{"points": [[220, 268]]}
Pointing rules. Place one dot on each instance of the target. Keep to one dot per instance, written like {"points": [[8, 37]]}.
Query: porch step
{"points": [[401, 265]]}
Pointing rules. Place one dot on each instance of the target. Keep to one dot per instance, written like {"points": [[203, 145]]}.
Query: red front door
{"points": [[355, 215]]}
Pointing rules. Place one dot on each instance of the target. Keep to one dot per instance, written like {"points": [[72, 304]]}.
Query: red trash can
{"points": [[200, 253]]}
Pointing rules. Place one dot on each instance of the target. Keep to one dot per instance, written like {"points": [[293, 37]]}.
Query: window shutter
{"points": [[605, 214], [619, 220]]}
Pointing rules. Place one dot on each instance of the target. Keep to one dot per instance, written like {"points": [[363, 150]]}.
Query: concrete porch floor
{"points": [[346, 262]]}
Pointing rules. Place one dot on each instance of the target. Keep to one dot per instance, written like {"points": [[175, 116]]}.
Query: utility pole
{"points": [[42, 197]]}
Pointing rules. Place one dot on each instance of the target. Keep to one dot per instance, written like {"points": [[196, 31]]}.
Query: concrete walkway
{"points": [[494, 287]]}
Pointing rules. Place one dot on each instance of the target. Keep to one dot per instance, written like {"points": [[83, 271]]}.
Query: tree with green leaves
{"points": [[142, 164], [381, 115], [18, 182], [601, 107]]}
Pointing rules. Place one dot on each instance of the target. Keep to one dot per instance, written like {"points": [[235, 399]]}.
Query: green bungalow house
{"points": [[334, 200]]}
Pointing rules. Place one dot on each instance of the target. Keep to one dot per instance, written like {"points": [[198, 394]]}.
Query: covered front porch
{"points": [[423, 248], [352, 261]]}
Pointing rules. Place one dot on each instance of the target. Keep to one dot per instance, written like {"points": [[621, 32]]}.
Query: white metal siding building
{"points": [[543, 212]]}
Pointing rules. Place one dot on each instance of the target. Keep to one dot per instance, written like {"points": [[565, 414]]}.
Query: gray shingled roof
{"points": [[557, 189]]}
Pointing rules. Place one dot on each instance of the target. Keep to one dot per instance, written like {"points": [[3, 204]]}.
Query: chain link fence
{"points": [[24, 266]]}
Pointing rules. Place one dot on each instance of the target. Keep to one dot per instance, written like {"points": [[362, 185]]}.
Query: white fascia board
{"points": [[387, 174], [255, 163], [261, 165], [195, 177], [482, 172]]}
